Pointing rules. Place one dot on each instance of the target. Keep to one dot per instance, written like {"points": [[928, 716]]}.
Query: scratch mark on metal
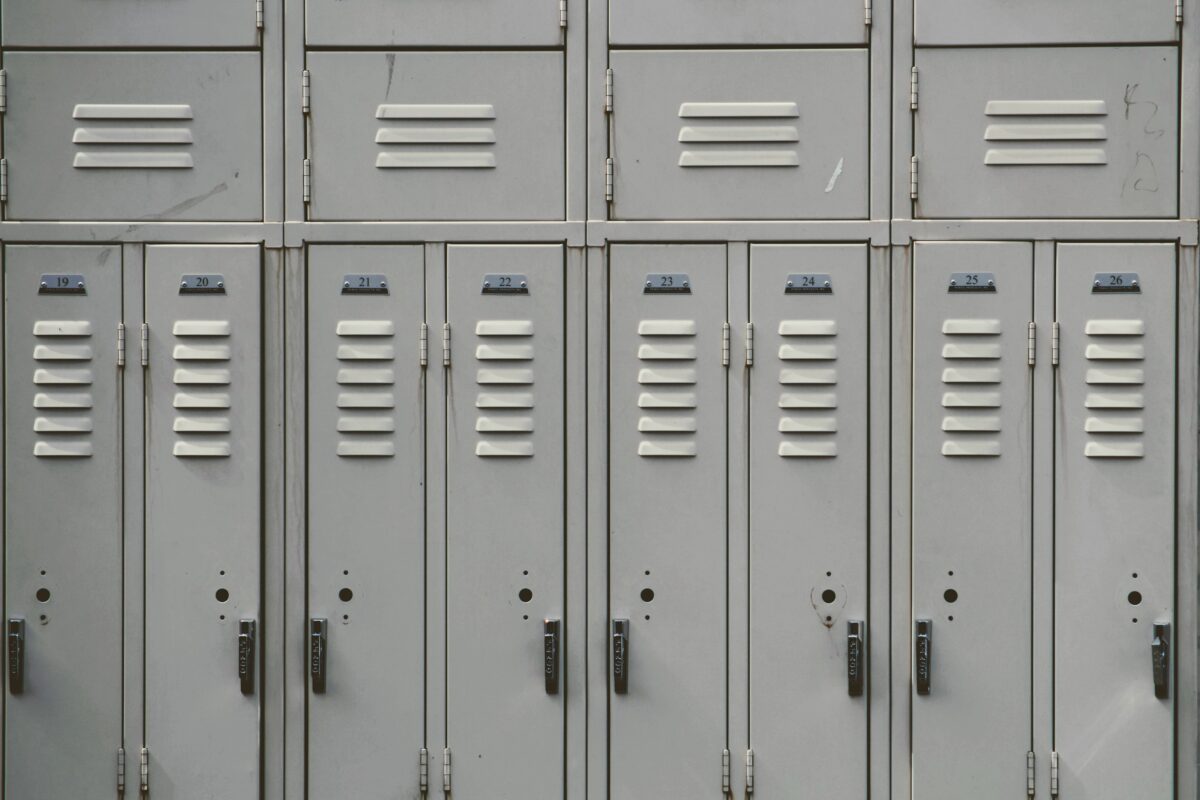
{"points": [[837, 173]]}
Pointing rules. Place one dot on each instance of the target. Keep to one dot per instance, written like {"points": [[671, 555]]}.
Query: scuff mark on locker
{"points": [[191, 202], [391, 62], [837, 173]]}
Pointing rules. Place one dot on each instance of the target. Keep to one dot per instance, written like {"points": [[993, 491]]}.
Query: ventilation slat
{"points": [[1099, 400], [965, 375], [202, 327], [366, 377], [970, 424], [667, 400], [366, 352], [808, 425], [214, 377], [366, 425], [488, 449], [667, 327], [1115, 352], [504, 352], [504, 424], [1114, 450], [805, 449], [62, 352], [62, 449], [956, 448], [961, 350], [201, 450], [202, 424], [1115, 327], [971, 327], [62, 377], [62, 425], [685, 377], [808, 400], [971, 400], [513, 377], [1114, 425], [365, 327], [667, 425], [62, 327], [504, 327], [214, 400], [366, 400], [667, 449], [808, 327], [366, 449], [62, 400], [202, 352], [807, 352], [506, 400], [667, 352]]}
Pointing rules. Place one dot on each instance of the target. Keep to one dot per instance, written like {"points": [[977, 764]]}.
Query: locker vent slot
{"points": [[667, 376], [426, 136], [971, 377], [808, 398], [739, 135], [203, 398], [62, 356], [1045, 133], [106, 139], [1114, 399], [366, 399], [504, 399]]}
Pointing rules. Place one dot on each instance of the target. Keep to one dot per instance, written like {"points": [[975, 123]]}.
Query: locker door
{"points": [[515, 23], [972, 525], [668, 529], [1041, 22], [63, 565], [808, 520], [505, 521], [366, 515], [203, 518], [1115, 521], [640, 22], [130, 23]]}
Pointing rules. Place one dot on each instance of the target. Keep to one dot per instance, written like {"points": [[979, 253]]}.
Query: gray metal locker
{"points": [[133, 136], [63, 521], [1051, 132], [203, 520], [437, 136], [972, 442], [668, 531], [638, 22], [762, 134], [940, 22], [366, 520], [808, 520], [441, 23], [1114, 566], [505, 520], [131, 23]]}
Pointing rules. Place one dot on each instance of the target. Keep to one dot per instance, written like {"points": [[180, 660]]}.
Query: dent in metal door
{"points": [[505, 519], [203, 518], [133, 136], [1115, 519], [63, 554], [667, 516], [640, 22], [972, 524], [513, 23], [130, 23], [437, 136], [1039, 22], [1047, 132], [765, 134], [366, 413], [808, 519]]}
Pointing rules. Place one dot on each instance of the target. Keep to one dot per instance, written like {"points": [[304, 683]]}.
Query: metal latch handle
{"points": [[856, 648], [924, 646], [1160, 657], [16, 655], [550, 642], [247, 633], [620, 655], [317, 653]]}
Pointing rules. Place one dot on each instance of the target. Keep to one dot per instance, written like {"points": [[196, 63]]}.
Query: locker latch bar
{"points": [[246, 641], [924, 647], [856, 647], [423, 762], [120, 770], [316, 653], [749, 772], [16, 655], [1054, 774], [550, 648], [446, 770], [1160, 656], [144, 770], [725, 772], [1030, 773], [620, 655]]}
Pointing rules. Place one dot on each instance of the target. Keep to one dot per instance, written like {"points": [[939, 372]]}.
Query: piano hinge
{"points": [[1179, 11], [749, 772], [424, 763], [3, 180], [867, 13], [725, 772], [1032, 343], [3, 91], [1030, 765], [608, 179], [608, 91], [121, 363], [749, 344], [306, 92], [562, 14], [120, 770], [446, 770], [258, 14], [912, 178], [724, 344], [424, 344], [307, 180], [145, 344], [914, 89], [446, 352], [1054, 774], [144, 770], [1054, 344]]}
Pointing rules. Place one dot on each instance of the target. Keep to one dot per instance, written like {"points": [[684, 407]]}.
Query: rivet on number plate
{"points": [[808, 283], [361, 283], [1116, 283], [505, 283], [202, 284], [972, 282], [62, 284], [667, 283]]}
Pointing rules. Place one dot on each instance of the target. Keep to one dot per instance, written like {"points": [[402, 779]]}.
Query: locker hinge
{"points": [[120, 770], [3, 91], [749, 772], [1054, 774], [914, 89], [562, 14], [3, 180], [307, 180], [912, 178], [306, 92], [1032, 343], [725, 772], [120, 344], [145, 345], [724, 344], [608, 179], [144, 770], [446, 346], [1179, 11], [608, 91], [446, 770], [1054, 344], [424, 344], [867, 13], [424, 762], [1030, 765], [749, 344], [259, 13]]}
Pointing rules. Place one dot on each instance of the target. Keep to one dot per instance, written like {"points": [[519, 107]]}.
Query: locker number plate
{"points": [[973, 282], [62, 284], [1116, 282], [202, 284], [506, 283], [359, 283], [668, 283], [808, 283]]}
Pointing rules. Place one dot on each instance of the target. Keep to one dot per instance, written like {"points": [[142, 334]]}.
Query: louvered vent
{"points": [[1046, 133], [427, 136], [63, 400], [739, 135], [971, 355], [366, 398], [128, 136], [203, 394], [667, 376], [808, 398], [1115, 399], [504, 374]]}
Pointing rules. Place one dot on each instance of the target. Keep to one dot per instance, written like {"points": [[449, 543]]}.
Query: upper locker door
{"points": [[941, 22], [808, 520], [763, 134], [971, 520], [203, 520], [668, 530], [1114, 582], [437, 136], [506, 521], [130, 23], [463, 23], [1047, 132], [63, 544], [366, 579], [639, 22]]}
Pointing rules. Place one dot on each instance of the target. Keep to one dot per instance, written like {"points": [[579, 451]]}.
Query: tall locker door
{"points": [[366, 521], [808, 520], [972, 523], [63, 564], [1114, 568], [505, 518], [203, 520], [668, 520]]}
